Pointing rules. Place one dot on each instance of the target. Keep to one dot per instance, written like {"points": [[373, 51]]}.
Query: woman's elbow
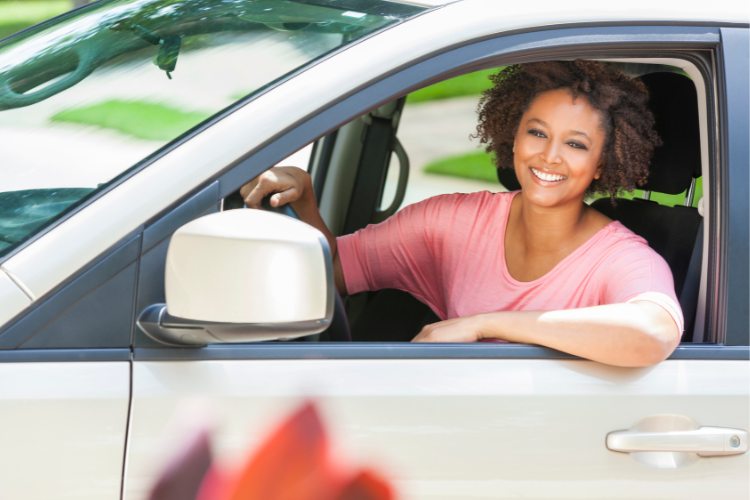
{"points": [[657, 345], [659, 335]]}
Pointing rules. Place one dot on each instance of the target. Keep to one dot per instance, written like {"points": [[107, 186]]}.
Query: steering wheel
{"points": [[338, 331]]}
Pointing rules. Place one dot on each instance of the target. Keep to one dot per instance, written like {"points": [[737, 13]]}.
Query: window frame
{"points": [[732, 294]]}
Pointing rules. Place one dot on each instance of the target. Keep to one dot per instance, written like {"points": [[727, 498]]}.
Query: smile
{"points": [[547, 177]]}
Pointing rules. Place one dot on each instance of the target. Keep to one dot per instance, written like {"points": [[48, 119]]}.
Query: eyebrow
{"points": [[578, 132], [573, 132]]}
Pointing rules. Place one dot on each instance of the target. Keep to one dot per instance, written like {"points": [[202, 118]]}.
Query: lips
{"points": [[546, 176]]}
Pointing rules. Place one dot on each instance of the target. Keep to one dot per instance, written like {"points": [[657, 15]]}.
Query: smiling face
{"points": [[557, 149]]}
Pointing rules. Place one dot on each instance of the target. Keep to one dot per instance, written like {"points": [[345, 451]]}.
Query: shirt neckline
{"points": [[597, 235]]}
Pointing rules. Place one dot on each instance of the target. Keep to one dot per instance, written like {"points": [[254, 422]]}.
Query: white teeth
{"points": [[547, 177]]}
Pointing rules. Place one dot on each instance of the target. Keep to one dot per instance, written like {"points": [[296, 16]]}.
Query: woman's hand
{"points": [[291, 185], [467, 329]]}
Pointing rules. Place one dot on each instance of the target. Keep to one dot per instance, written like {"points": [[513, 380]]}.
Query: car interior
{"points": [[361, 176]]}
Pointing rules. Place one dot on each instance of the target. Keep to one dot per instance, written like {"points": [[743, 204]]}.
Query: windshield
{"points": [[88, 95]]}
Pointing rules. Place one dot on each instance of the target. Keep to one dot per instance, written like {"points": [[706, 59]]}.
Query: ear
{"points": [[599, 170], [514, 147]]}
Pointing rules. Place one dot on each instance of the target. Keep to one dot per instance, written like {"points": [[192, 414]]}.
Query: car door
{"points": [[478, 421]]}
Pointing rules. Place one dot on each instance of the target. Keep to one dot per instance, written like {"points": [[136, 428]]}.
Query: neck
{"points": [[549, 229]]}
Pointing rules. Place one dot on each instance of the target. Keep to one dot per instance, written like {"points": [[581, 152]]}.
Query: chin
{"points": [[544, 197], [541, 199]]}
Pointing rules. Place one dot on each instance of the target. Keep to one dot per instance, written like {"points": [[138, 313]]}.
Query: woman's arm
{"points": [[638, 333], [293, 185]]}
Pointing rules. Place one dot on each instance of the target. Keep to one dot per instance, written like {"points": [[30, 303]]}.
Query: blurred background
{"points": [[16, 15]]}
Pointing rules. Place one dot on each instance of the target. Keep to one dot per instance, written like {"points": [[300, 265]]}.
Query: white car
{"points": [[125, 120]]}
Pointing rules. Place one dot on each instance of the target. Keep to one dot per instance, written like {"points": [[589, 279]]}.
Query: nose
{"points": [[551, 153]]}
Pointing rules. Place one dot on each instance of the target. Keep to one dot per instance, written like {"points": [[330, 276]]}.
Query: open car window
{"points": [[436, 129], [88, 95]]}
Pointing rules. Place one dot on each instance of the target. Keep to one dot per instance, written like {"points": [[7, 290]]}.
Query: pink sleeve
{"points": [[402, 253], [642, 274]]}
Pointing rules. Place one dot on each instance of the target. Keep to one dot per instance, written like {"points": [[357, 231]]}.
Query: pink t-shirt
{"points": [[448, 252]]}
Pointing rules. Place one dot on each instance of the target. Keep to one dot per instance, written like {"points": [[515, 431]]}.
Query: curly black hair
{"points": [[622, 102]]}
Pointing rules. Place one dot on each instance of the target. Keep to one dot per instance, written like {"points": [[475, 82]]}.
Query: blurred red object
{"points": [[294, 463], [183, 476]]}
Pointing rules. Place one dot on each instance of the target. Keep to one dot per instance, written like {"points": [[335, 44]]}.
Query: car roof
{"points": [[423, 3], [548, 12]]}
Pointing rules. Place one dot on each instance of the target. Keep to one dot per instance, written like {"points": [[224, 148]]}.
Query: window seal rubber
{"points": [[393, 350]]}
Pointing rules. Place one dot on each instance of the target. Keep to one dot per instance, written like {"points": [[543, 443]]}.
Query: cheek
{"points": [[526, 148], [583, 164]]}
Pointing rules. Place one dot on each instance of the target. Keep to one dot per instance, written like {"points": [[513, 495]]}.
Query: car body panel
{"points": [[12, 299], [63, 250], [457, 429], [62, 429]]}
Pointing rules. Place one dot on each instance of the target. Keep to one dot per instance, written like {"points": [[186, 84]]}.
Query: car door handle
{"points": [[705, 441]]}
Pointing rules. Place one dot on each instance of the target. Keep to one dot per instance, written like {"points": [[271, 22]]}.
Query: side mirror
{"points": [[243, 276]]}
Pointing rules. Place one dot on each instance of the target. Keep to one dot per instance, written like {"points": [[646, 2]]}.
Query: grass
{"points": [[479, 166], [143, 120], [476, 166], [465, 85], [18, 15]]}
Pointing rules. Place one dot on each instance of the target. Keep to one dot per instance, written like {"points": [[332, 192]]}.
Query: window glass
{"points": [[88, 95]]}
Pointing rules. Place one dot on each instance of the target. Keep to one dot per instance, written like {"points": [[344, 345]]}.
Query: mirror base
{"points": [[158, 324]]}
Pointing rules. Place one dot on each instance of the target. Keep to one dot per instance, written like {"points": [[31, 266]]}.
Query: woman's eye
{"points": [[537, 133], [577, 145]]}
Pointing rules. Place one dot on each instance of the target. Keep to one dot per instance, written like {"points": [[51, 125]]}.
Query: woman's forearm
{"points": [[632, 334], [316, 221], [307, 209]]}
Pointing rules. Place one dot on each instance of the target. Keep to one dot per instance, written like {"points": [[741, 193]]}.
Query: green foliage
{"points": [[479, 166], [476, 166], [465, 85], [18, 15], [144, 120]]}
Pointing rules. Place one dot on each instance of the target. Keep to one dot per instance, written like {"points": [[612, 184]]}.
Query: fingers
{"points": [[451, 330], [271, 181], [247, 188], [426, 335], [256, 195], [285, 197]]}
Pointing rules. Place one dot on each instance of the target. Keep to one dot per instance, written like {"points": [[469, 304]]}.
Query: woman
{"points": [[535, 266]]}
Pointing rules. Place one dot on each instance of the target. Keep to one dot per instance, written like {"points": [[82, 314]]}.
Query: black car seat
{"points": [[675, 233]]}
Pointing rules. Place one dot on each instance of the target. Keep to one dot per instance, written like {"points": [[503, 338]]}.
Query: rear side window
{"points": [[86, 96]]}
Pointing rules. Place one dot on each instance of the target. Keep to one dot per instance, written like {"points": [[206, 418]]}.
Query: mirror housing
{"points": [[243, 276]]}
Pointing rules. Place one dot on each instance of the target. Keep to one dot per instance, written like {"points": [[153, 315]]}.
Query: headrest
{"points": [[674, 102], [507, 177]]}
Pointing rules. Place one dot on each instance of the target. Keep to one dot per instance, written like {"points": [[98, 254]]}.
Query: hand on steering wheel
{"points": [[281, 186]]}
